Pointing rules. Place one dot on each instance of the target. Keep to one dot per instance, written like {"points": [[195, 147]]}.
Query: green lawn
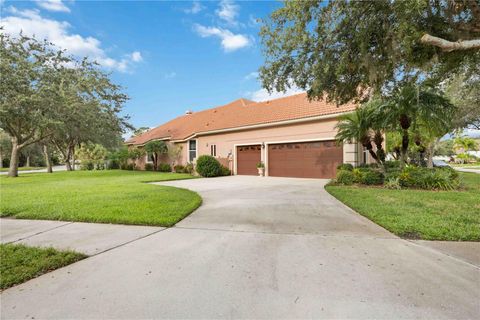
{"points": [[19, 263], [22, 168], [111, 196], [419, 214]]}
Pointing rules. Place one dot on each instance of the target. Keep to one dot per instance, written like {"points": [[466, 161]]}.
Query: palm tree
{"points": [[359, 126], [409, 107]]}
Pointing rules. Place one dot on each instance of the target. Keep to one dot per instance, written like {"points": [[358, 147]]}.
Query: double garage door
{"points": [[302, 160]]}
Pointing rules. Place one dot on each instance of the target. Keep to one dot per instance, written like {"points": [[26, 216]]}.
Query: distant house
{"points": [[292, 136]]}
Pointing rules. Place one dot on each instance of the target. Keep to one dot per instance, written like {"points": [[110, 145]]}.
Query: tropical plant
{"points": [[156, 148], [92, 156], [411, 107], [360, 126], [464, 144]]}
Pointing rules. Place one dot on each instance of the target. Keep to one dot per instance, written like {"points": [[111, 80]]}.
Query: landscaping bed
{"points": [[20, 263], [412, 213], [108, 196]]}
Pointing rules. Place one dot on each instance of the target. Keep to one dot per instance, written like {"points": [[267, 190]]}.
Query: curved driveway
{"points": [[258, 248]]}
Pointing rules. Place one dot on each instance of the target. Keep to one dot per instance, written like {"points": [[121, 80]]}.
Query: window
{"points": [[192, 150], [213, 150], [365, 152], [149, 157]]}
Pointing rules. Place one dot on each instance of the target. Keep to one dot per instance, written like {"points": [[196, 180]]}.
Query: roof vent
{"points": [[188, 112]]}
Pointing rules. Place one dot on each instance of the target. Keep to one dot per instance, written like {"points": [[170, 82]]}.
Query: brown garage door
{"points": [[247, 159], [304, 160]]}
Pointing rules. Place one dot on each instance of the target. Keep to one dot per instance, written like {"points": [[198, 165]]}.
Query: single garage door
{"points": [[247, 159], [304, 160]]}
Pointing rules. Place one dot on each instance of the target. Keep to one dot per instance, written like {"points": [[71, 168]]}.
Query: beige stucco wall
{"points": [[226, 142]]}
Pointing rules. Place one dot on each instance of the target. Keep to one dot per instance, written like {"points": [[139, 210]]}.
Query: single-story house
{"points": [[292, 136]]}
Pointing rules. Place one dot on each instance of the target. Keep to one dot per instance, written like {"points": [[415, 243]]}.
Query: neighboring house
{"points": [[292, 136]]}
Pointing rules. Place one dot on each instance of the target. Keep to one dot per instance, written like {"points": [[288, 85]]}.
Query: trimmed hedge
{"points": [[208, 166], [345, 166], [164, 167], [345, 177]]}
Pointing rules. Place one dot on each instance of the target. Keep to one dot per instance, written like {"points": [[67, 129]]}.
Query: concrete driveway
{"points": [[258, 248]]}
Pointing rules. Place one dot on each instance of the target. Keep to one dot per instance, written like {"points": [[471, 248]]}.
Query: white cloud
{"points": [[31, 23], [229, 40], [263, 95], [53, 5], [228, 12], [169, 75], [195, 8], [251, 76], [136, 56]]}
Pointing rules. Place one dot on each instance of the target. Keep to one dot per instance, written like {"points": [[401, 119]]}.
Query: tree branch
{"points": [[449, 46]]}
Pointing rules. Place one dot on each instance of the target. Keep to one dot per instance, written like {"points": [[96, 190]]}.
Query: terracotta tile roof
{"points": [[240, 113]]}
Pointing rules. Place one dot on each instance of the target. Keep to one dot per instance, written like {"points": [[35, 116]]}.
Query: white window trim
{"points": [[196, 150], [213, 150], [147, 159]]}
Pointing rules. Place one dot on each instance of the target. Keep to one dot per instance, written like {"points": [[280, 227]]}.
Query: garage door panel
{"points": [[304, 160], [247, 159]]}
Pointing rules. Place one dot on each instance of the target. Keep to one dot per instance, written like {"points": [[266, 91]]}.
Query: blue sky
{"points": [[170, 56]]}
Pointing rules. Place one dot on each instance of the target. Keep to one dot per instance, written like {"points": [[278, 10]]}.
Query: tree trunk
{"points": [[430, 151], [1, 159], [404, 150], [73, 157], [27, 163], [48, 160], [13, 170]]}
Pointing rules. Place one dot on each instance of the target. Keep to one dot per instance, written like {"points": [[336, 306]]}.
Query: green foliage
{"points": [[392, 183], [208, 166], [225, 171], [50, 97], [135, 153], [149, 167], [92, 156], [179, 168], [156, 148], [464, 92], [189, 168], [345, 177], [429, 179], [340, 47], [371, 177], [260, 165], [21, 263], [345, 166], [444, 148], [128, 166], [164, 167]]}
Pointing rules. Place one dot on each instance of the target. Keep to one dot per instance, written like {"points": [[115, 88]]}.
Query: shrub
{"points": [[100, 165], [345, 166], [371, 177], [164, 167], [429, 179], [393, 183], [358, 174], [179, 168], [188, 168], [391, 165], [208, 166], [113, 164], [345, 177], [148, 167], [226, 171], [87, 165], [128, 166]]}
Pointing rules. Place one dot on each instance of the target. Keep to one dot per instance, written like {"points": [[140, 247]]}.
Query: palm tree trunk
{"points": [[404, 150]]}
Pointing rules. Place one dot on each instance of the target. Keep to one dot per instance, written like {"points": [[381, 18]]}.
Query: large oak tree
{"points": [[349, 48]]}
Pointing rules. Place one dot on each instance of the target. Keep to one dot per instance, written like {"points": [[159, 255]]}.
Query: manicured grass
{"points": [[111, 196], [419, 214], [22, 168], [19, 263]]}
